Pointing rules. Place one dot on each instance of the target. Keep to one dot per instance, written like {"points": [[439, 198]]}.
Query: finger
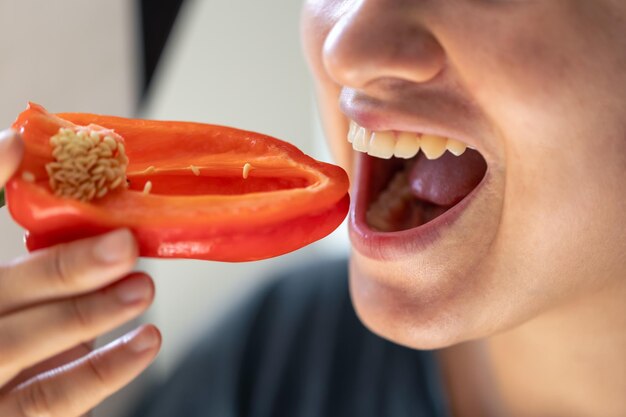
{"points": [[11, 149], [76, 388], [67, 269], [32, 335], [63, 358]]}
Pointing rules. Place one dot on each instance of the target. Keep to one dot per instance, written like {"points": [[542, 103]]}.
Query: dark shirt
{"points": [[297, 349]]}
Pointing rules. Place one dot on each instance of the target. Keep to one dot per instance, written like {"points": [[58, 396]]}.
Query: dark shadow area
{"points": [[157, 19]]}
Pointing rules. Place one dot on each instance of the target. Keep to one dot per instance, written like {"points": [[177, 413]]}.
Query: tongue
{"points": [[448, 179]]}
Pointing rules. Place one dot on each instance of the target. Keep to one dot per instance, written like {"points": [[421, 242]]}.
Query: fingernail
{"points": [[142, 339], [133, 289], [11, 145], [6, 138], [114, 247]]}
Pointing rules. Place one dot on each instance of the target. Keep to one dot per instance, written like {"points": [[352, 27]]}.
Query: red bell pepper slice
{"points": [[288, 201]]}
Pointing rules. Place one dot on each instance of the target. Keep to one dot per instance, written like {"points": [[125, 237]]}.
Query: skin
{"points": [[86, 289], [529, 314]]}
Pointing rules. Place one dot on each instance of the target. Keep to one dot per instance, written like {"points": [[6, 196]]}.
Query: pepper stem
{"points": [[1, 197]]}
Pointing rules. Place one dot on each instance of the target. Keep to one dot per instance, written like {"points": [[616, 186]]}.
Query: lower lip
{"points": [[388, 246]]}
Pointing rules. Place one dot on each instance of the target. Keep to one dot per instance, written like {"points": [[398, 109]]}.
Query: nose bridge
{"points": [[382, 39]]}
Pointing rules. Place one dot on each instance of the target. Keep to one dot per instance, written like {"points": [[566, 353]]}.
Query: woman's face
{"points": [[538, 88]]}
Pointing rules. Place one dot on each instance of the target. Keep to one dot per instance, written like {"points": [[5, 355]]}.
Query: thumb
{"points": [[11, 149]]}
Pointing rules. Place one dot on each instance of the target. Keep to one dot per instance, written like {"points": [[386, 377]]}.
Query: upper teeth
{"points": [[402, 145]]}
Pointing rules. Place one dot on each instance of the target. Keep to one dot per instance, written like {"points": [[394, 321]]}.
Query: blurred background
{"points": [[235, 62]]}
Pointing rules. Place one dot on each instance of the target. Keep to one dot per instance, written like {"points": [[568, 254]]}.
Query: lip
{"points": [[376, 115], [438, 114], [390, 246]]}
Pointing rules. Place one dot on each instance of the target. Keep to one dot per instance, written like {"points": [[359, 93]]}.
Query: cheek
{"points": [[561, 209], [335, 125], [317, 19], [557, 99]]}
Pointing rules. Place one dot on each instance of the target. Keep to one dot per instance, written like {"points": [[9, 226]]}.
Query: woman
{"points": [[518, 291]]}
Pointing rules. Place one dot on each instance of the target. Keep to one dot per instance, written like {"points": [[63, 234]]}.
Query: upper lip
{"points": [[426, 114]]}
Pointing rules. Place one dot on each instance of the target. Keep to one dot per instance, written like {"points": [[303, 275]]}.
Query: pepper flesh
{"points": [[288, 201]]}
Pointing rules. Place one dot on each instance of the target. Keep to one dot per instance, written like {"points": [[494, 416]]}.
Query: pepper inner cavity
{"points": [[182, 182]]}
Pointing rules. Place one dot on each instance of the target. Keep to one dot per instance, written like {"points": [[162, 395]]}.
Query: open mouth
{"points": [[409, 179]]}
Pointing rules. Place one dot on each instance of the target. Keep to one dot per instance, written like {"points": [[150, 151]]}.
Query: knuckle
{"points": [[4, 297], [97, 368], [9, 354], [33, 400], [78, 313], [60, 266]]}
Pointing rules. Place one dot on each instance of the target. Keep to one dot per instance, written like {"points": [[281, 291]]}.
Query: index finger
{"points": [[11, 149], [66, 270]]}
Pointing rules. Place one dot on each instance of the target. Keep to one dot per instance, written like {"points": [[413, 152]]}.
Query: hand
{"points": [[52, 303]]}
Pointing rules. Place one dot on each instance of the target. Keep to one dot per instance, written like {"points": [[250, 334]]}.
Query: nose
{"points": [[375, 40]]}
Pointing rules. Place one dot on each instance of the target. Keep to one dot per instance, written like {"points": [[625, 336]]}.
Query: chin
{"points": [[420, 308]]}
